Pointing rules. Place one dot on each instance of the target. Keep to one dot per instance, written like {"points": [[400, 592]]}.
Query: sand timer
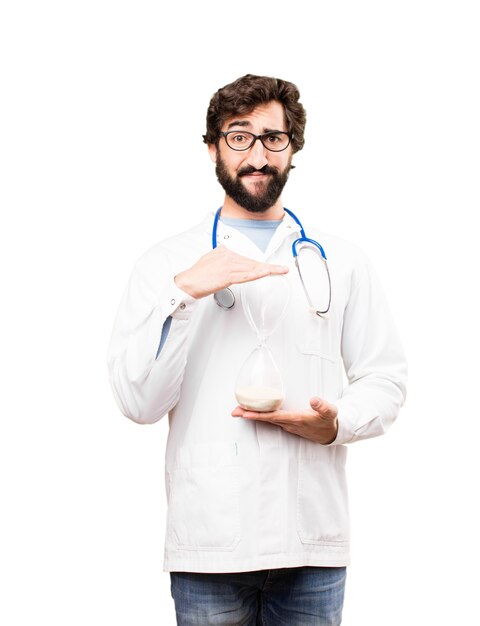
{"points": [[259, 385]]}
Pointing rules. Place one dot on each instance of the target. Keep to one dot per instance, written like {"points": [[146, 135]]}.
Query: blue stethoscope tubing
{"points": [[225, 298]]}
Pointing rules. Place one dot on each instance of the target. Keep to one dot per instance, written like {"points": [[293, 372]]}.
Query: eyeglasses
{"points": [[275, 141]]}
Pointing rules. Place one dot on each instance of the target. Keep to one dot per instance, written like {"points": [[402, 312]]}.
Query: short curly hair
{"points": [[245, 94]]}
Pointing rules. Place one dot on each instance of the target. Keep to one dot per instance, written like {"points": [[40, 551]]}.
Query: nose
{"points": [[257, 156]]}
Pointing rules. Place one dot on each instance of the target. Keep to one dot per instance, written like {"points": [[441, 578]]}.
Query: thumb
{"points": [[324, 408]]}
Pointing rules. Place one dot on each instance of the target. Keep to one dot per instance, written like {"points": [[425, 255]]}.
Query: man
{"points": [[257, 529]]}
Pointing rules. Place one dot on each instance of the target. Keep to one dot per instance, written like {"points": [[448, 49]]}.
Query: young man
{"points": [[257, 529]]}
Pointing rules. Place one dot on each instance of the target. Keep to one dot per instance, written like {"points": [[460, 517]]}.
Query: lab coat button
{"points": [[183, 305], [172, 302], [226, 236]]}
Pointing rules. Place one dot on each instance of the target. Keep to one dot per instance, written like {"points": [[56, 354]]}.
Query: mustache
{"points": [[249, 169], [266, 169]]}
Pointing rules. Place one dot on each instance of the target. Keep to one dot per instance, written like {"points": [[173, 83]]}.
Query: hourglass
{"points": [[259, 385]]}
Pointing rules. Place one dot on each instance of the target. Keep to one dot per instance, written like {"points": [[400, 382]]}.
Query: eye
{"points": [[274, 138], [239, 138]]}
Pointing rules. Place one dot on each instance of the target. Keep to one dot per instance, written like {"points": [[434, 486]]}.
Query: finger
{"points": [[275, 417], [277, 269], [261, 417], [241, 412], [323, 408], [254, 415], [238, 277], [248, 274], [244, 262]]}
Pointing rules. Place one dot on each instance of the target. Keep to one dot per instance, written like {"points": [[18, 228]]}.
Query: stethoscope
{"points": [[226, 298]]}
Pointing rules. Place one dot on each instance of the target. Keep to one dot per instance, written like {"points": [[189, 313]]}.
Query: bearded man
{"points": [[258, 526]]}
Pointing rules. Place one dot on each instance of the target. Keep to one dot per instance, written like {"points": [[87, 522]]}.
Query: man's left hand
{"points": [[320, 424]]}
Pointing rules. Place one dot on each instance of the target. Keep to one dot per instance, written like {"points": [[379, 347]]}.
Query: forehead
{"points": [[270, 116]]}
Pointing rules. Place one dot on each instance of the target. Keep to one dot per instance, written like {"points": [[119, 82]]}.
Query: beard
{"points": [[264, 198]]}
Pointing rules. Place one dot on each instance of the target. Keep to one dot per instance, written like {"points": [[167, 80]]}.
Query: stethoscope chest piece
{"points": [[224, 298]]}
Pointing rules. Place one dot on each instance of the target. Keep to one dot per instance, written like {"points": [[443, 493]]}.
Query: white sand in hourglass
{"points": [[259, 398]]}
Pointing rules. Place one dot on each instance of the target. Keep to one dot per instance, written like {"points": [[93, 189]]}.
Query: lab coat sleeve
{"points": [[373, 358], [146, 387]]}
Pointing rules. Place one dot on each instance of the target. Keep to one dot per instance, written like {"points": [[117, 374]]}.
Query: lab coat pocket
{"points": [[203, 511], [322, 498], [320, 371]]}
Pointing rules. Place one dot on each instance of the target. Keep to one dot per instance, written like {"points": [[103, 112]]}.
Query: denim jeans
{"points": [[300, 596]]}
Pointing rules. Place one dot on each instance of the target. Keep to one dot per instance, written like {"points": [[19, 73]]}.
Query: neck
{"points": [[231, 209]]}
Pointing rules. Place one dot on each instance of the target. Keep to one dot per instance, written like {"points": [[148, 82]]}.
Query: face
{"points": [[253, 178]]}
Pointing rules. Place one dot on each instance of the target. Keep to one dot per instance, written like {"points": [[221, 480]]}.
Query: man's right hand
{"points": [[221, 268]]}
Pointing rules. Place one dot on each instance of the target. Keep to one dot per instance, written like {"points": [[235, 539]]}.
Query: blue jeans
{"points": [[300, 596]]}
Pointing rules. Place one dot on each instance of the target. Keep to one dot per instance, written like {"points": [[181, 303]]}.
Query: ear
{"points": [[212, 151]]}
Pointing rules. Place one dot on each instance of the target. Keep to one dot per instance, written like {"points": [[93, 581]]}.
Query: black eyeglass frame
{"points": [[255, 137]]}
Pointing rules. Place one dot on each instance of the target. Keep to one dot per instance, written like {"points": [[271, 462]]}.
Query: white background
{"points": [[102, 110]]}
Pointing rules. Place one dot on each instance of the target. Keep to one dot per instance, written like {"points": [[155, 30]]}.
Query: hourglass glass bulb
{"points": [[259, 384], [264, 303]]}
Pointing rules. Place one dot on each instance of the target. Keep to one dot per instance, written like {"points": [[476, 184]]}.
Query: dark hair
{"points": [[246, 93]]}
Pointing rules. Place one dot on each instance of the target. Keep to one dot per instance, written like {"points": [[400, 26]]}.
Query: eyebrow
{"points": [[238, 123], [247, 123]]}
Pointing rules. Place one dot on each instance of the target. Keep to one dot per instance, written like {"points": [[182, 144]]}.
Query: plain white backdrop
{"points": [[102, 110]]}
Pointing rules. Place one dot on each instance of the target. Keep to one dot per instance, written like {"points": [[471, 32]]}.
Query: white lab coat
{"points": [[245, 495]]}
